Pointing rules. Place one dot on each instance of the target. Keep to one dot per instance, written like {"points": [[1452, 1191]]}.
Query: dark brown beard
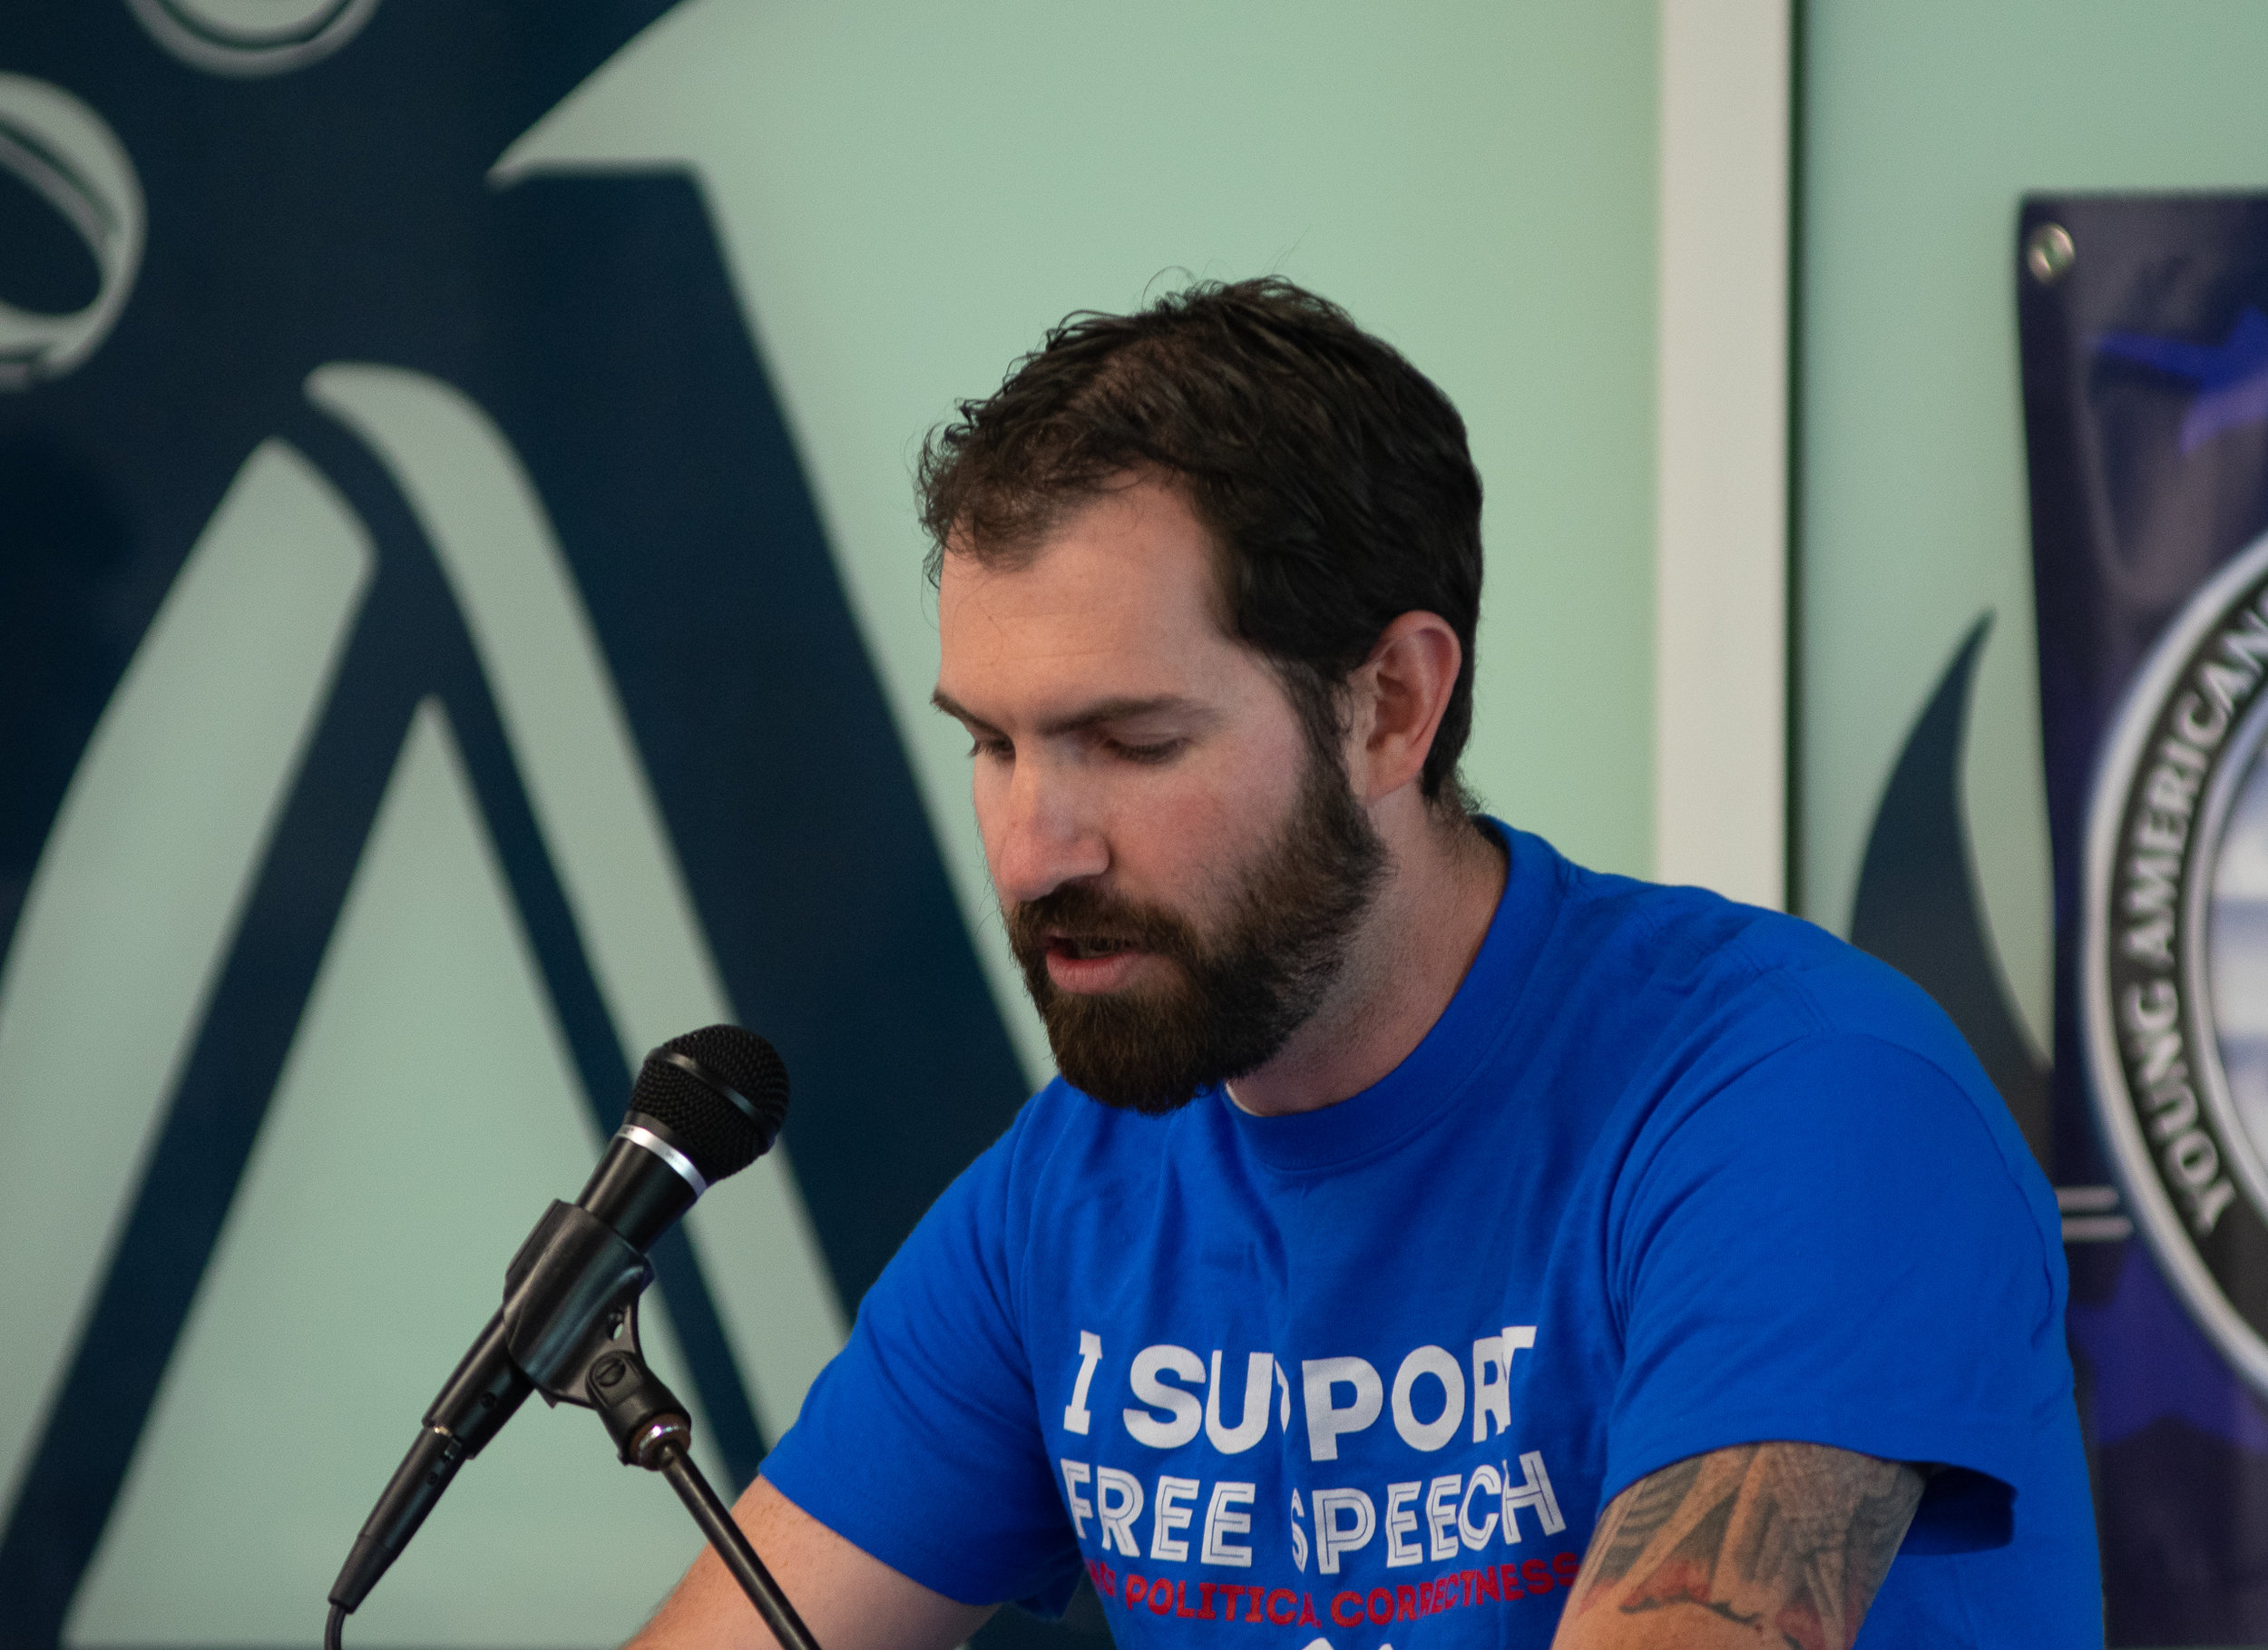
{"points": [[1240, 992]]}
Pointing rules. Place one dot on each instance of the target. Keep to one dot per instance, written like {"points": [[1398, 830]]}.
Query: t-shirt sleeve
{"points": [[1836, 1248], [919, 1444]]}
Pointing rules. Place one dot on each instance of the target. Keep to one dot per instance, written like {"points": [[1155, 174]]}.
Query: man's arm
{"points": [[849, 1600], [1774, 1545]]}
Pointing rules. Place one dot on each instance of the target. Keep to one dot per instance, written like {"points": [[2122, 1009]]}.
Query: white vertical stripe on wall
{"points": [[133, 910], [1721, 480]]}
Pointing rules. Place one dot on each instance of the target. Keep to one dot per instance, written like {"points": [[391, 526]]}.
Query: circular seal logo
{"points": [[2174, 958]]}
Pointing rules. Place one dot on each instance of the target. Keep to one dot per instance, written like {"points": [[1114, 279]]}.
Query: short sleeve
{"points": [[919, 1444], [1836, 1247]]}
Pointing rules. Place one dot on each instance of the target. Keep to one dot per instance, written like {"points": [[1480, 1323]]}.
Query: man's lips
{"points": [[1081, 947], [1082, 962]]}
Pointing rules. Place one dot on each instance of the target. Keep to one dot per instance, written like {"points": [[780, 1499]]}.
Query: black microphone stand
{"points": [[652, 1429], [570, 1325]]}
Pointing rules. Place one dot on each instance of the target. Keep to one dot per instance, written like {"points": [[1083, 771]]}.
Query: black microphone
{"points": [[705, 1106]]}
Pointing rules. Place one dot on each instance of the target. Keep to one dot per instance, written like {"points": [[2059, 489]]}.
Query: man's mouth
{"points": [[1082, 948]]}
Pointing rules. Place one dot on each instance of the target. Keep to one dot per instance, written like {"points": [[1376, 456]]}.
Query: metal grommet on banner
{"points": [[2048, 253]]}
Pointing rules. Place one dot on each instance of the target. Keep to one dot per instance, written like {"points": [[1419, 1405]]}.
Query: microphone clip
{"points": [[570, 1324], [571, 1300]]}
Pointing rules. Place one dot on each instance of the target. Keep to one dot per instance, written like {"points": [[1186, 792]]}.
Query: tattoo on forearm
{"points": [[1630, 1523], [1790, 1541]]}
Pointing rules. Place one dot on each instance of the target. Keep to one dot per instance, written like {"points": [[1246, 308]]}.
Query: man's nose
{"points": [[1044, 838]]}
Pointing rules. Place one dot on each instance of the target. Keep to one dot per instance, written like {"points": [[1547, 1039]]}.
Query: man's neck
{"points": [[1417, 942]]}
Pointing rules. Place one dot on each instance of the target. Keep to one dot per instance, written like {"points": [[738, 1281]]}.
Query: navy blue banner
{"points": [[2145, 346]]}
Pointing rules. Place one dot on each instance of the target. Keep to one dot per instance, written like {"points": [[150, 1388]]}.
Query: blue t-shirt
{"points": [[1668, 1175]]}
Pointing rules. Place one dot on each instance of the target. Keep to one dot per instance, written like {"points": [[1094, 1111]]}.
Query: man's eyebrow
{"points": [[1096, 715], [953, 707]]}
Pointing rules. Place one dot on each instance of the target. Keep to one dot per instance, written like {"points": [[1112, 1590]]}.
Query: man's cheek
{"points": [[987, 790]]}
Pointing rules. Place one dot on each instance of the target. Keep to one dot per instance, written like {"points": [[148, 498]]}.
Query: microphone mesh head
{"points": [[721, 1091]]}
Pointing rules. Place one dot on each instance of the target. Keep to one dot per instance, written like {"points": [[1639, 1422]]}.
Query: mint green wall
{"points": [[1924, 121], [910, 194]]}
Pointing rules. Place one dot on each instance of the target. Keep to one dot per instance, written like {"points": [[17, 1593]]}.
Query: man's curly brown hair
{"points": [[1334, 476]]}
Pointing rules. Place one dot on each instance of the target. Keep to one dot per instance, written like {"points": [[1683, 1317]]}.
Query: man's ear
{"points": [[1397, 697]]}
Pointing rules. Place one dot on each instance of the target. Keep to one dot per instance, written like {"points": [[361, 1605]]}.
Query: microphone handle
{"points": [[410, 1495], [480, 1395], [483, 1392], [643, 1182]]}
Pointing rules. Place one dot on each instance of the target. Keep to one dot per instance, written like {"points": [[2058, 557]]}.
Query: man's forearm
{"points": [[1781, 1544]]}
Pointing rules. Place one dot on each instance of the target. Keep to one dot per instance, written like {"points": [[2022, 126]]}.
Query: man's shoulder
{"points": [[1701, 967], [1724, 1003], [1697, 940]]}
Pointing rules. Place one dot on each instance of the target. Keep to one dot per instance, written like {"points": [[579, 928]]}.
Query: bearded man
{"points": [[1428, 1242]]}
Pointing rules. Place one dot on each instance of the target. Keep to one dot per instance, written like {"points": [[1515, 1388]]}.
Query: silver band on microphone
{"points": [[668, 1154]]}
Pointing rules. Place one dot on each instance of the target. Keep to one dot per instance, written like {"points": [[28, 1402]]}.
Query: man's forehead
{"points": [[1124, 588], [1136, 536]]}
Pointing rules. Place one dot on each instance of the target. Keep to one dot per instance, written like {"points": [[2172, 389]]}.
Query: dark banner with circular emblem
{"points": [[2145, 338]]}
